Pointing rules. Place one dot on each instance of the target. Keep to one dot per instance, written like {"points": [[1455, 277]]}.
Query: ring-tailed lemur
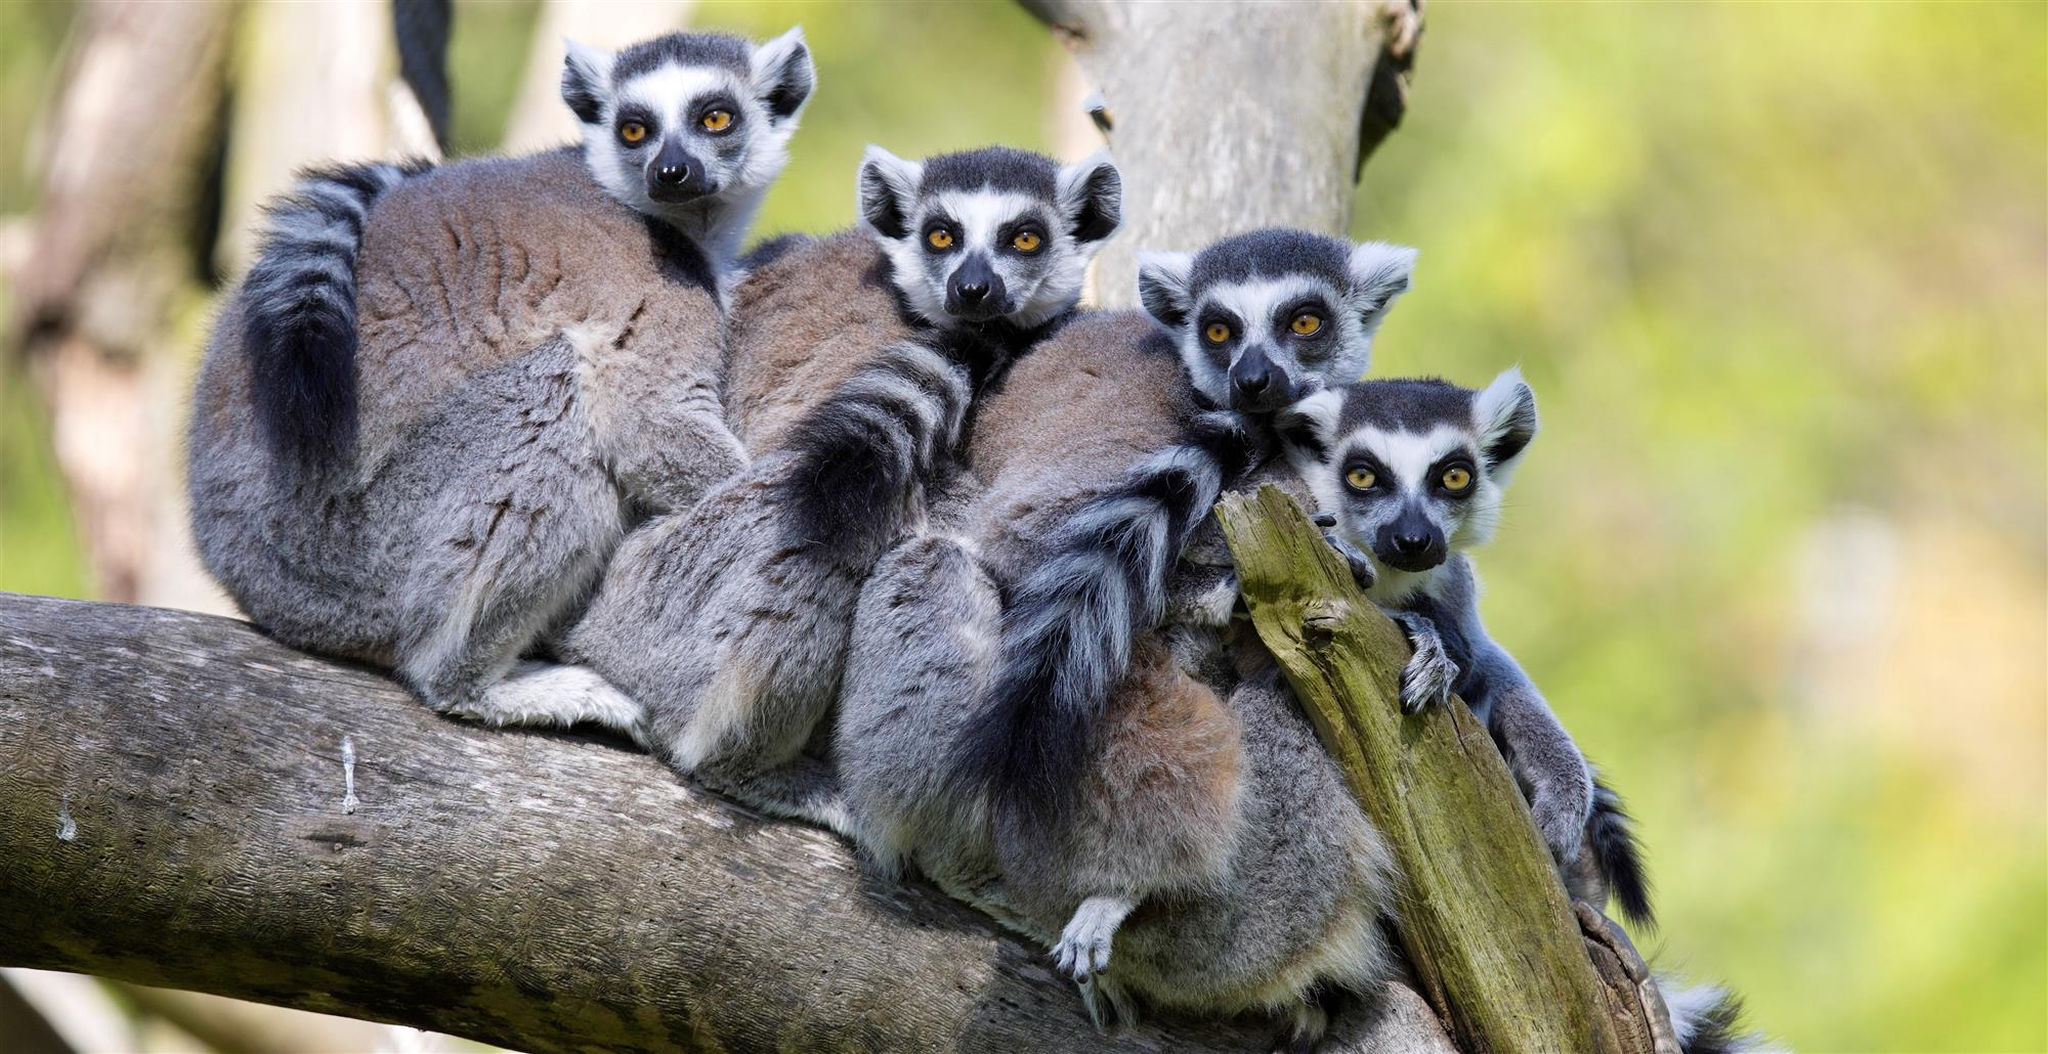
{"points": [[1409, 476], [1256, 322], [439, 399], [1215, 807], [854, 364]]}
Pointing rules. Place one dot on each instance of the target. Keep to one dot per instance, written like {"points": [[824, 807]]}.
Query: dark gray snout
{"points": [[1412, 542], [974, 291], [1257, 383], [676, 176]]}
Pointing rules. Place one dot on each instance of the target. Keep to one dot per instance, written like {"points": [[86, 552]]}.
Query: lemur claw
{"points": [[1431, 675], [1360, 564]]}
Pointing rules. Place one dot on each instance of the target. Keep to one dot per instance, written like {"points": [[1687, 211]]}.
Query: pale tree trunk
{"points": [[1227, 116], [110, 293], [185, 803], [314, 82], [539, 118]]}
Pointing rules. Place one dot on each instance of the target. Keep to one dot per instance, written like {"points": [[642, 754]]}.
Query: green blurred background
{"points": [[1779, 275]]}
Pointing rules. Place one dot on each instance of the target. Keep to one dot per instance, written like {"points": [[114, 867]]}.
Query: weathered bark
{"points": [[111, 289], [184, 803], [1493, 941], [1215, 135]]}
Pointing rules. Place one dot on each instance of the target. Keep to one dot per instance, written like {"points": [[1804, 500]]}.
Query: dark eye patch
{"points": [[716, 101], [1007, 234], [1211, 314]]}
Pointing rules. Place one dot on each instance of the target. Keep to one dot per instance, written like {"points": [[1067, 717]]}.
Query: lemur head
{"points": [[989, 234], [1266, 318], [686, 120], [1412, 470]]}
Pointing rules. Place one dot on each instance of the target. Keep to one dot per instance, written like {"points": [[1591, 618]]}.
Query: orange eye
{"points": [[1457, 478], [1360, 479], [939, 238], [1308, 324], [1027, 241], [716, 121], [1217, 333], [632, 131]]}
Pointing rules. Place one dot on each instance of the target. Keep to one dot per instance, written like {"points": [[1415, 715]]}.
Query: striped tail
{"points": [[1611, 835], [1069, 625], [1706, 1019], [300, 310], [861, 460]]}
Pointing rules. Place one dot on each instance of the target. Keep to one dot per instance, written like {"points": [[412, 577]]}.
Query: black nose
{"points": [[1252, 385], [974, 291], [1411, 544], [672, 175], [971, 293]]}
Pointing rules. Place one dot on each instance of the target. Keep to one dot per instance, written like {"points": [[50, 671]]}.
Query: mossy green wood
{"points": [[1485, 923]]}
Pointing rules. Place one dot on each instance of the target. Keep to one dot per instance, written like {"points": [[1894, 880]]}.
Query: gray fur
{"points": [[729, 621], [1184, 802], [1288, 907], [536, 364]]}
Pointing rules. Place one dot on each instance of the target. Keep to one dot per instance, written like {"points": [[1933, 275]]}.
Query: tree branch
{"points": [[174, 811], [1493, 941]]}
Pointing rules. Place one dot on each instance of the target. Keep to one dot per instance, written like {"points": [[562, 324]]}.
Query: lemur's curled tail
{"points": [[861, 459], [1611, 836], [1069, 624], [299, 325]]}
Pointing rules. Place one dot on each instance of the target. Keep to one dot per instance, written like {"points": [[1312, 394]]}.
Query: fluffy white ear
{"points": [[1163, 287], [1091, 197], [1505, 413], [586, 80], [1379, 273], [783, 75], [888, 184], [1308, 427]]}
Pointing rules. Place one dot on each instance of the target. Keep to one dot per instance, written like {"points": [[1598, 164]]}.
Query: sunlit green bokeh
{"points": [[1779, 275]]}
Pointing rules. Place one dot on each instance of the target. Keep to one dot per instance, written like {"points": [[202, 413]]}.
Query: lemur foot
{"points": [[1083, 950], [1109, 1006], [1361, 564], [1431, 674]]}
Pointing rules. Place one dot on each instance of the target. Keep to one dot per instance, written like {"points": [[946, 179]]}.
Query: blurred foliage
{"points": [[1779, 275]]}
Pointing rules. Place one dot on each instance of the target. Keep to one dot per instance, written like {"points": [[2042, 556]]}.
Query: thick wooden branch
{"points": [[1231, 116], [184, 803], [1493, 941]]}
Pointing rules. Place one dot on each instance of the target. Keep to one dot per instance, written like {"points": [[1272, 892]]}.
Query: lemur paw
{"points": [[1431, 674], [1082, 955], [1361, 565], [1215, 605]]}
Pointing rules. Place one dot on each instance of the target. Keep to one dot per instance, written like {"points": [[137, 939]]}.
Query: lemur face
{"points": [[1412, 470], [688, 117], [1266, 318], [991, 233]]}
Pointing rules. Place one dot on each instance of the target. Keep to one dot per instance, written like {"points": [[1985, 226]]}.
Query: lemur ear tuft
{"points": [[887, 186], [1163, 287], [1307, 427], [1379, 273], [783, 75], [1091, 197], [1505, 413], [586, 79]]}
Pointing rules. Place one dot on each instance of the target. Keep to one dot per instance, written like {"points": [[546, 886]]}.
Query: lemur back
{"points": [[441, 396], [855, 371]]}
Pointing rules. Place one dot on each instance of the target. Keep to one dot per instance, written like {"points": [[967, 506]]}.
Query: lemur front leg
{"points": [[1431, 674], [1554, 775]]}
